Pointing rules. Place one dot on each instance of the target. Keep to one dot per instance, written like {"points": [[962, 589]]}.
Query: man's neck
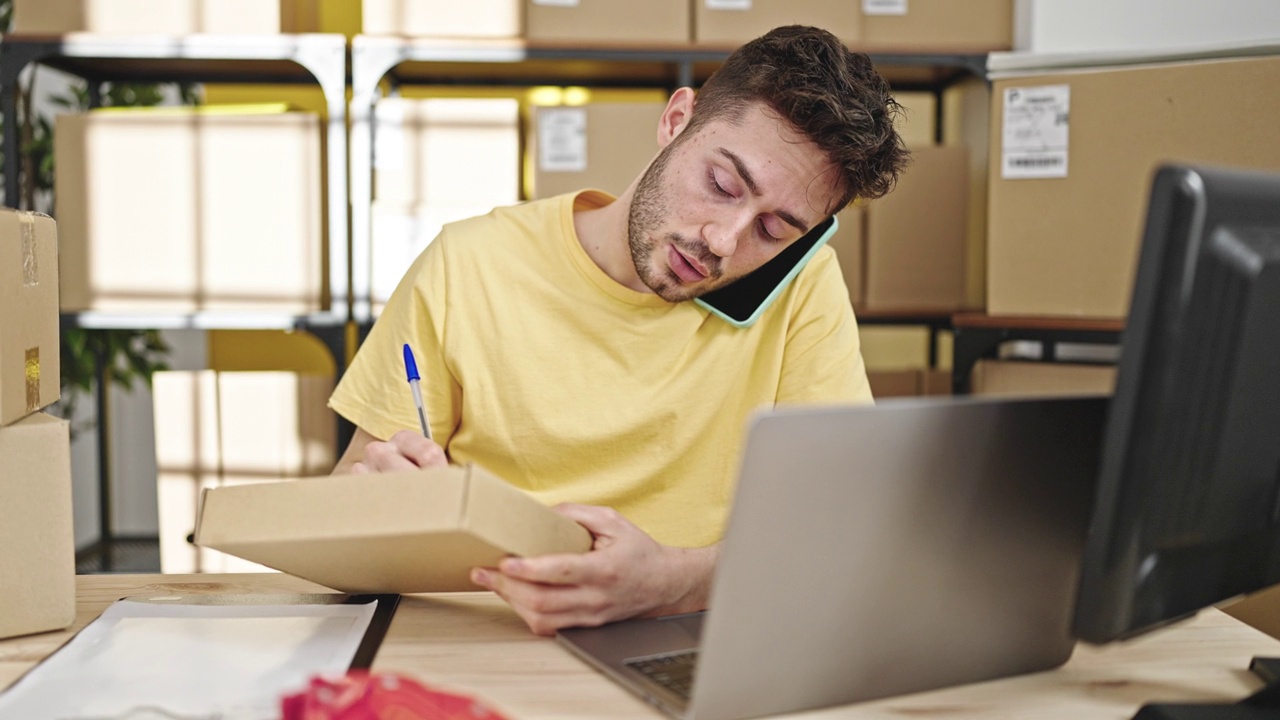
{"points": [[602, 232]]}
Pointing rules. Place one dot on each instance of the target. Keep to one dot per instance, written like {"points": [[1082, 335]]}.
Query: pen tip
{"points": [[410, 367]]}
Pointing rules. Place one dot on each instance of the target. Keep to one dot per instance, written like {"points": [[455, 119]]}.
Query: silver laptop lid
{"points": [[914, 545]]}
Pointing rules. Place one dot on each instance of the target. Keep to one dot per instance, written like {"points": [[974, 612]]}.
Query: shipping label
{"points": [[562, 139], [1036, 120], [884, 7]]}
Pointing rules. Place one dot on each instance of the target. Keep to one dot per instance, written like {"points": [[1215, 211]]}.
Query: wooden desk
{"points": [[471, 642]]}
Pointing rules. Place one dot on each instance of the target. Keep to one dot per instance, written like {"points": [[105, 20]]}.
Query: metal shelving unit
{"points": [[979, 336], [518, 63], [283, 59]]}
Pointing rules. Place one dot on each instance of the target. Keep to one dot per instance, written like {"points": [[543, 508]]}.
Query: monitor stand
{"points": [[1262, 705]]}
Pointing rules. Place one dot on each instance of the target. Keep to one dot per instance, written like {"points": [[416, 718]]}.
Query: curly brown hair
{"points": [[829, 94]]}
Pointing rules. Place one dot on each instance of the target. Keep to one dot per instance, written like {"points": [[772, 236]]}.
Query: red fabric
{"points": [[380, 696]]}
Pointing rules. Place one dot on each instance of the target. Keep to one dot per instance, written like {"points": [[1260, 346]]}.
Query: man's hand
{"points": [[406, 450], [626, 574]]}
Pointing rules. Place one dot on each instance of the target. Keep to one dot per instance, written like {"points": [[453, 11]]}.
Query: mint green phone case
{"points": [[743, 302]]}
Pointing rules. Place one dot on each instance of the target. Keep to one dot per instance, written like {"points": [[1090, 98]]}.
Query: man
{"points": [[558, 351]]}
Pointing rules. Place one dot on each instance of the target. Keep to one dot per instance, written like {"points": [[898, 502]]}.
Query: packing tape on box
{"points": [[33, 379], [30, 267]]}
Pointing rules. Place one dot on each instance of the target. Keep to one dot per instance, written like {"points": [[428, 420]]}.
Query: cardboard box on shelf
{"points": [[935, 382], [29, 342], [1030, 378], [171, 17], [966, 112], [916, 236], [918, 124], [894, 347], [37, 566], [1064, 237], [448, 151], [600, 145], [909, 382], [406, 532], [733, 22], [895, 383], [443, 18], [221, 429], [850, 246], [159, 214], [607, 21], [437, 160], [974, 26]]}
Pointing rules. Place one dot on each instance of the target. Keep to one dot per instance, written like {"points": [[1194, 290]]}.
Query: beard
{"points": [[650, 207]]}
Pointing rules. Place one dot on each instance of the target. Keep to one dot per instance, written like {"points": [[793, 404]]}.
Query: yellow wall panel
{"points": [[245, 350]]}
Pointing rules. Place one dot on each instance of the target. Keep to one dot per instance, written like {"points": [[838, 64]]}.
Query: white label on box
{"points": [[557, 3], [728, 4], [884, 7], [562, 139], [389, 143], [1035, 132]]}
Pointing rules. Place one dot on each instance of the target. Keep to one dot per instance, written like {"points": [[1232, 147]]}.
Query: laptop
{"points": [[877, 551]]}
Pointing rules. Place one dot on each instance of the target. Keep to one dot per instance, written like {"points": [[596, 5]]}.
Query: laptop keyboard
{"points": [[673, 671]]}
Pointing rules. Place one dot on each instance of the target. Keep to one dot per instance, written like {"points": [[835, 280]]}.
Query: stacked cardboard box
{"points": [[37, 553], [909, 250], [733, 22], [881, 25], [653, 22], [437, 160], [916, 236], [849, 242], [911, 25], [171, 17], [966, 111], [581, 22], [443, 18], [909, 382], [219, 429], [604, 146], [212, 236], [29, 359], [1033, 379], [936, 25], [1072, 156], [899, 363]]}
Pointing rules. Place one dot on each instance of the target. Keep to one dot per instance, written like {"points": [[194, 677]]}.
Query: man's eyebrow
{"points": [[750, 181]]}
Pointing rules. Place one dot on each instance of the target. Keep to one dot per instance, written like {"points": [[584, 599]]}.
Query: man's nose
{"points": [[722, 237]]}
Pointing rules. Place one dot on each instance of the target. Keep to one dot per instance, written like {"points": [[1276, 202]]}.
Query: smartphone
{"points": [[742, 302]]}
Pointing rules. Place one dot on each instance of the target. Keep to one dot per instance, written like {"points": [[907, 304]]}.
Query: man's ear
{"points": [[676, 115]]}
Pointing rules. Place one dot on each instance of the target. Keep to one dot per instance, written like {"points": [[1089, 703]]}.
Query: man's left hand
{"points": [[626, 574]]}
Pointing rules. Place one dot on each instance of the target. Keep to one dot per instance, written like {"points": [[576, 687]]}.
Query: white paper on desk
{"points": [[224, 661]]}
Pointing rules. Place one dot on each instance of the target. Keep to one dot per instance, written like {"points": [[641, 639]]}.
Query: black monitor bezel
{"points": [[1187, 204]]}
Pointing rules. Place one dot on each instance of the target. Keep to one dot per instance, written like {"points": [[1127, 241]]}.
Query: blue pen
{"points": [[411, 369]]}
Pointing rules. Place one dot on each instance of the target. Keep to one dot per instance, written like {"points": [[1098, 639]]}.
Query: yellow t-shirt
{"points": [[539, 367]]}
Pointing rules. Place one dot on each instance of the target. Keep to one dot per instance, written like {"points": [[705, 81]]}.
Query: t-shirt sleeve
{"points": [[822, 363], [374, 393]]}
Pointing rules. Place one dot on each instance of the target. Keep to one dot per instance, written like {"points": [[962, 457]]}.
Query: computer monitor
{"points": [[1187, 511]]}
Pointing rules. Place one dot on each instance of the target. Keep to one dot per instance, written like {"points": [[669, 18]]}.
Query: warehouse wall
{"points": [[1054, 26]]}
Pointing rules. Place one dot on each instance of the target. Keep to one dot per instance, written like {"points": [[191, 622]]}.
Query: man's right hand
{"points": [[406, 450]]}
